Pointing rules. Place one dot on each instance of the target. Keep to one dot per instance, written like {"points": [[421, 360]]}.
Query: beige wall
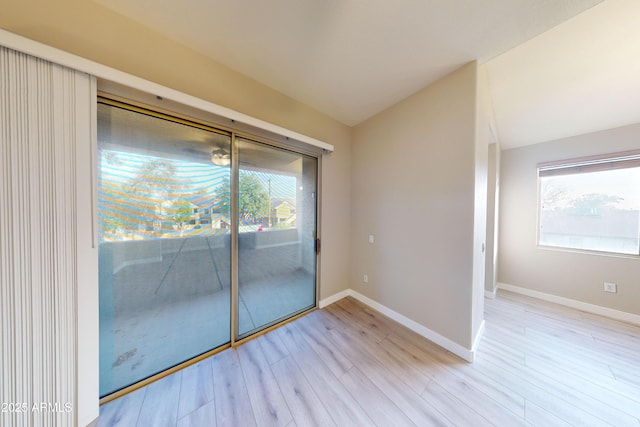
{"points": [[94, 32], [577, 276], [413, 188]]}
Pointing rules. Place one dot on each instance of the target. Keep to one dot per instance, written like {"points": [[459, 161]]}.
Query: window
{"points": [[591, 204]]}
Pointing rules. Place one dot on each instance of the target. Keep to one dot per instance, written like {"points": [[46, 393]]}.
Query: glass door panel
{"points": [[276, 235], [164, 243]]}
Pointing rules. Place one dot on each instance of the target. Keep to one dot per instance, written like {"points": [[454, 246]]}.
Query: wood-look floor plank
{"points": [[404, 365], [539, 392], [381, 409], [353, 322], [607, 395], [303, 402], [508, 399], [332, 356], [160, 406], [547, 353], [549, 366], [323, 321], [423, 360], [592, 350], [468, 393], [203, 416], [612, 412], [627, 375], [610, 326], [349, 304], [537, 364], [196, 389], [496, 367], [567, 336], [389, 325], [233, 407], [269, 406], [273, 348], [122, 412], [384, 377], [449, 365], [353, 328], [336, 398], [540, 417], [499, 321], [453, 408], [501, 347], [542, 308], [617, 351], [365, 352]]}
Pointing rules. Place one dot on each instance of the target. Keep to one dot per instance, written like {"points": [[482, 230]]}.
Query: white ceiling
{"points": [[580, 77], [354, 58]]}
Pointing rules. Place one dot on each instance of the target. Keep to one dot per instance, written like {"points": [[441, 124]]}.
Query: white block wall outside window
{"points": [[45, 169]]}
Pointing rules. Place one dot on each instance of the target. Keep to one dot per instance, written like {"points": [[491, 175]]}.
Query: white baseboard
{"points": [[578, 305], [333, 298], [453, 347], [477, 339], [489, 294]]}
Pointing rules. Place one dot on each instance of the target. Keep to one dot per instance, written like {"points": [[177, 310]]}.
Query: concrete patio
{"points": [[165, 301]]}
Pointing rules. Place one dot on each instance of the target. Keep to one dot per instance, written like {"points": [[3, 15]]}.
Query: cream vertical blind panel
{"points": [[39, 108]]}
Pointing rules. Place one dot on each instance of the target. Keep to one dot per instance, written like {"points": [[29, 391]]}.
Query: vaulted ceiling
{"points": [[549, 61]]}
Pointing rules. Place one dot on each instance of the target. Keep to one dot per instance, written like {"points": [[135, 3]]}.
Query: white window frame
{"points": [[605, 162]]}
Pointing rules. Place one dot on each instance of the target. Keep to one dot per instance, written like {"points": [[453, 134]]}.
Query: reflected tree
{"points": [[594, 203], [253, 203], [554, 196]]}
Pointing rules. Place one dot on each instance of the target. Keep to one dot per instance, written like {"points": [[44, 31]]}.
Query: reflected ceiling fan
{"points": [[220, 157], [219, 154]]}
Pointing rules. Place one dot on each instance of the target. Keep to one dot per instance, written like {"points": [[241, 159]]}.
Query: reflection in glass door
{"points": [[178, 256], [164, 248], [276, 235]]}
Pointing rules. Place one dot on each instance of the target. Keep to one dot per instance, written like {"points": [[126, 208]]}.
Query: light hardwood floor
{"points": [[347, 365]]}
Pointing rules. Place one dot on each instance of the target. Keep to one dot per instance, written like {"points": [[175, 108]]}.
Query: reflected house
{"points": [[208, 217], [201, 216], [283, 211], [218, 220]]}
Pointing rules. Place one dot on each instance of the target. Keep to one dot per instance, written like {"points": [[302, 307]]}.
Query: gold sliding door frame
{"points": [[235, 226], [254, 333]]}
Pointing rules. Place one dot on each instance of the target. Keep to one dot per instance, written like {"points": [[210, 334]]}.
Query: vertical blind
{"points": [[38, 249]]}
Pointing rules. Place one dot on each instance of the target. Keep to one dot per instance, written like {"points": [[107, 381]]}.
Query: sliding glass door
{"points": [[189, 240], [276, 235], [164, 244]]}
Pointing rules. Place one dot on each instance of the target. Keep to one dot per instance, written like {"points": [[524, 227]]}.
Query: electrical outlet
{"points": [[610, 287], [371, 239], [365, 278]]}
